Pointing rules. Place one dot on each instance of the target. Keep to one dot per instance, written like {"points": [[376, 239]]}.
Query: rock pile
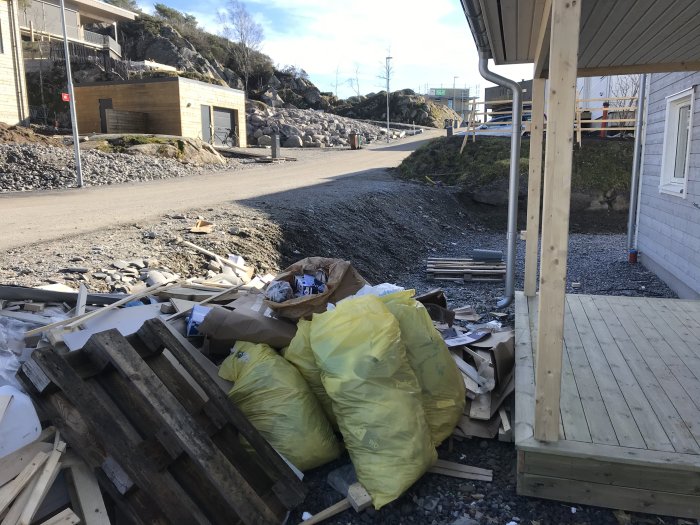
{"points": [[26, 167], [306, 128]]}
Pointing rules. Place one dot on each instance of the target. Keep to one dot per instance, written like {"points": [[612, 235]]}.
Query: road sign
{"points": [[65, 97]]}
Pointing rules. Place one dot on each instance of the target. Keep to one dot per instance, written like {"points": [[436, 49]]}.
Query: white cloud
{"points": [[430, 42]]}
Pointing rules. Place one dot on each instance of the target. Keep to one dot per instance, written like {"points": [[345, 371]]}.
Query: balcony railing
{"points": [[44, 18]]}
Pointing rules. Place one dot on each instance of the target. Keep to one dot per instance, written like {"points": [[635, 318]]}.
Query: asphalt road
{"points": [[33, 217]]}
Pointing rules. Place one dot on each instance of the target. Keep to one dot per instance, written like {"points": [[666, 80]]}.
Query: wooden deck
{"points": [[630, 405]]}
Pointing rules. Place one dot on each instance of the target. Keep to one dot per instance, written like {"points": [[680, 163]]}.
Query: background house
{"points": [[168, 106], [668, 231], [13, 89], [40, 20]]}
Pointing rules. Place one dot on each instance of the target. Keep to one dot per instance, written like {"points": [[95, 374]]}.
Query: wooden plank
{"points": [[534, 187], [543, 40], [65, 517], [114, 348], [614, 453], [288, 488], [683, 329], [651, 428], [524, 372], [597, 417], [43, 484], [119, 440], [626, 429], [662, 390], [555, 216], [459, 474], [76, 321], [612, 473], [12, 464], [88, 494], [13, 514], [635, 500], [573, 418], [11, 490], [451, 465]]}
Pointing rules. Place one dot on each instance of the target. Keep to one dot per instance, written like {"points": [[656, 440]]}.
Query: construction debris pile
{"points": [[204, 400]]}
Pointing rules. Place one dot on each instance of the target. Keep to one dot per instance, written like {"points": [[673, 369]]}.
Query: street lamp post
{"points": [[388, 75], [71, 95]]}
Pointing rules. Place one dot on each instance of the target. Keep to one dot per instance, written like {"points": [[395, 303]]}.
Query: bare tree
{"points": [[624, 87], [238, 26], [354, 82]]}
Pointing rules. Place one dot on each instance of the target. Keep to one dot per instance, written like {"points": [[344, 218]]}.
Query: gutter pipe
{"points": [[636, 166], [514, 177], [475, 19]]}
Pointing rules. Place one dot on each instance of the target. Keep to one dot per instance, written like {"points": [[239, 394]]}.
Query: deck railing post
{"points": [[534, 186], [563, 55]]}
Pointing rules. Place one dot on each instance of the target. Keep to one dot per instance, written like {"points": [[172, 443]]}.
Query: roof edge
{"points": [[475, 19]]}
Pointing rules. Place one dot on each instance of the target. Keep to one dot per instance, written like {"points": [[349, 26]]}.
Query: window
{"points": [[676, 152]]}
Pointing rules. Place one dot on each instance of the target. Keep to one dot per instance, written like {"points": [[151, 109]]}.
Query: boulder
{"points": [[293, 142], [264, 140]]}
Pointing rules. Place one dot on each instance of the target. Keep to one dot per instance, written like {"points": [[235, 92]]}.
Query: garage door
{"points": [[224, 127]]}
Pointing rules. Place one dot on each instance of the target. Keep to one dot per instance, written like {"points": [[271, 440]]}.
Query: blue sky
{"points": [[429, 41]]}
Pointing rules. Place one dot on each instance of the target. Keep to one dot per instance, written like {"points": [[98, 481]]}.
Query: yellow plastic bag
{"points": [[278, 402], [443, 394], [300, 355], [375, 395]]}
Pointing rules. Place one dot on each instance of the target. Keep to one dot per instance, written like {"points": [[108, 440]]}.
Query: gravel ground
{"points": [[387, 229], [26, 167]]}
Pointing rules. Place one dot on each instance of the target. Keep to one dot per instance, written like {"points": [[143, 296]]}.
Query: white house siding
{"points": [[669, 225]]}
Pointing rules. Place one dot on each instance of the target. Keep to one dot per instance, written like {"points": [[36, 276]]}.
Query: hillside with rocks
{"points": [[306, 128]]}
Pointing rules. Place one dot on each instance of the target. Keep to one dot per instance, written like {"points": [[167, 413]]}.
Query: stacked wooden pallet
{"points": [[466, 269], [162, 436]]}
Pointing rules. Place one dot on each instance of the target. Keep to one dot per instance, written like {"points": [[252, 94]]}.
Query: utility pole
{"points": [[388, 75], [71, 94]]}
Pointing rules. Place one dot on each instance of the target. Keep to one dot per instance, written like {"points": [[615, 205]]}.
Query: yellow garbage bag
{"points": [[277, 401], [442, 387], [375, 395], [300, 355]]}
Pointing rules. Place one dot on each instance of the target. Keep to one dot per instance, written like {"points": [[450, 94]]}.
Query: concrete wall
{"points": [[172, 105], [159, 99], [13, 91], [194, 94], [669, 225]]}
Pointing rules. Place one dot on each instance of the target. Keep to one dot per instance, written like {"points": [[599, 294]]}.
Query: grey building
{"points": [[668, 220]]}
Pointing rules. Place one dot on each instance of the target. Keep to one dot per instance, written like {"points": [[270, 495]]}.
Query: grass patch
{"points": [[601, 166]]}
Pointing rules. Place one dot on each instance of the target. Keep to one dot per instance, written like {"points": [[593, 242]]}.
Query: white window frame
{"points": [[668, 183]]}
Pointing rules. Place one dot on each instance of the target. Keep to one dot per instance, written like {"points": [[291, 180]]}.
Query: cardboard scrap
{"points": [[202, 226]]}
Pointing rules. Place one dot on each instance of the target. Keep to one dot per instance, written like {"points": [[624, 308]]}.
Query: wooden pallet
{"points": [[162, 436], [445, 269]]}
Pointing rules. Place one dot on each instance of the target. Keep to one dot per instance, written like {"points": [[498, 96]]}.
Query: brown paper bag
{"points": [[224, 327], [343, 281]]}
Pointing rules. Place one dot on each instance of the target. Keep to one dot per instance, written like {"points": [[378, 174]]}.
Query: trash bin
{"points": [[450, 131], [354, 139]]}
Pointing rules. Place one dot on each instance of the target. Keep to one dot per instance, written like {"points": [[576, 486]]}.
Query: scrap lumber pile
{"points": [[145, 407], [488, 369], [465, 269], [178, 403]]}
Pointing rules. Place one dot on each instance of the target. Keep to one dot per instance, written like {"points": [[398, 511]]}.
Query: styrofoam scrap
{"points": [[306, 516]]}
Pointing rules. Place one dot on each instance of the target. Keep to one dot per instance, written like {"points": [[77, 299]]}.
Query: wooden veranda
{"points": [[629, 426]]}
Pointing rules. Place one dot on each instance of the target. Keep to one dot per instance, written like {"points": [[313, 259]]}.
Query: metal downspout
{"points": [[513, 184], [636, 165]]}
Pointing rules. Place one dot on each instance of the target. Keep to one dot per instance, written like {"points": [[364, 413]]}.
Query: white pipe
{"points": [[514, 177], [636, 164]]}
